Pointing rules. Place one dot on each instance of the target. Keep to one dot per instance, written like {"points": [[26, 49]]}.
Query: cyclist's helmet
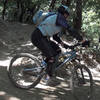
{"points": [[64, 9]]}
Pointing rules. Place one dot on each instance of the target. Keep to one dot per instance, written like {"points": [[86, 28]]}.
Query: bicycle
{"points": [[26, 71]]}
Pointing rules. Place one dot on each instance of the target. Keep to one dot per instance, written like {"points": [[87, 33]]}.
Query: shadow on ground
{"points": [[10, 92]]}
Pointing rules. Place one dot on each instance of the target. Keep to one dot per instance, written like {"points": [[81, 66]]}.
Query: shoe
{"points": [[53, 81], [45, 78]]}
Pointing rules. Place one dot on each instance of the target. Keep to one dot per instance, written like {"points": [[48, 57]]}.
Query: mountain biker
{"points": [[52, 26]]}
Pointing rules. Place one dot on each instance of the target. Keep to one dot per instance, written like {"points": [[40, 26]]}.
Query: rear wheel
{"points": [[82, 83], [25, 71]]}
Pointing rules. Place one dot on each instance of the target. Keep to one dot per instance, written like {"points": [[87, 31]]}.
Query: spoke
{"points": [[24, 71]]}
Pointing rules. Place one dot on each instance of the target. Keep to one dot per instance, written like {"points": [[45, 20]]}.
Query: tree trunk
{"points": [[78, 16], [18, 2], [4, 8], [66, 2], [51, 7], [22, 12]]}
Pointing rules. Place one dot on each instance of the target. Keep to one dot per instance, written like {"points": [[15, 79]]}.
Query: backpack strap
{"points": [[49, 14]]}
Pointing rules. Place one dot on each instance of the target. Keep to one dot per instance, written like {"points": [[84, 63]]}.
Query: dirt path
{"points": [[16, 39], [9, 92]]}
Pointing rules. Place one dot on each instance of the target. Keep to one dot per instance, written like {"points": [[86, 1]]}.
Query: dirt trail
{"points": [[15, 38]]}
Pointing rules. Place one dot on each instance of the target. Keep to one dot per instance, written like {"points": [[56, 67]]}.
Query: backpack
{"points": [[40, 16]]}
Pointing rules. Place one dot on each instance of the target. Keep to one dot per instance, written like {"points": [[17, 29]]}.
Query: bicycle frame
{"points": [[67, 59]]}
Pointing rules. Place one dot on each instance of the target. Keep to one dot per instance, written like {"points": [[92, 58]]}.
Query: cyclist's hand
{"points": [[86, 43]]}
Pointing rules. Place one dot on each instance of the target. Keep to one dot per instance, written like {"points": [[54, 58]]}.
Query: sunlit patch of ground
{"points": [[5, 96], [5, 62]]}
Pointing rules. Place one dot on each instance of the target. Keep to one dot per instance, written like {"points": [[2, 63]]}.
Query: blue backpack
{"points": [[41, 16]]}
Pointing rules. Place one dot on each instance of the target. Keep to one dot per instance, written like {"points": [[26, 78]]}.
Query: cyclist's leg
{"points": [[55, 46], [50, 53], [44, 45]]}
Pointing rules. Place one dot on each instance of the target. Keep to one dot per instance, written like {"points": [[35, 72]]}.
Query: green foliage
{"points": [[94, 5], [91, 24], [91, 13]]}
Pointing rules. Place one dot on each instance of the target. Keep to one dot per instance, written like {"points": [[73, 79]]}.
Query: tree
{"points": [[4, 8], [77, 20], [26, 9], [51, 7], [66, 2]]}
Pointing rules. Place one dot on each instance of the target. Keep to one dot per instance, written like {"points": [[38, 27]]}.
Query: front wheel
{"points": [[82, 83], [25, 71]]}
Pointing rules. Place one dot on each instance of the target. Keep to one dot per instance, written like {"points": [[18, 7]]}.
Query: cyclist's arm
{"points": [[57, 38], [75, 34], [61, 21]]}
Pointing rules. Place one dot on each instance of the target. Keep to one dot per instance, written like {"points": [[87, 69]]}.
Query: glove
{"points": [[86, 43]]}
